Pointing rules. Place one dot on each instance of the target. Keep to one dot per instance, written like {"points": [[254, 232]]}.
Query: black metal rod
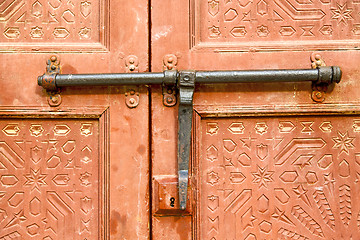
{"points": [[321, 75], [64, 80], [257, 76]]}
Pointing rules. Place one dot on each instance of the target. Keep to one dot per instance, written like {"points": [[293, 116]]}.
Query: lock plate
{"points": [[166, 197]]}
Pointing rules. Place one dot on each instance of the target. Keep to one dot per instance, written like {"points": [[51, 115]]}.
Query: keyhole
{"points": [[172, 202]]}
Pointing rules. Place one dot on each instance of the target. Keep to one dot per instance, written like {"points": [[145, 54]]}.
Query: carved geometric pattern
{"points": [[324, 208], [345, 204], [41, 196], [256, 187], [34, 22], [277, 24], [303, 217]]}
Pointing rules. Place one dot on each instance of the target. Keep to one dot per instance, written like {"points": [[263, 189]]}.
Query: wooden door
{"points": [[267, 161], [78, 170]]}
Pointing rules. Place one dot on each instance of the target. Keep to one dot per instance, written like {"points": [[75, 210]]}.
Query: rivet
{"points": [[132, 67], [132, 92], [318, 94], [131, 101], [169, 100], [131, 61], [186, 78], [54, 99], [53, 58], [53, 67]]}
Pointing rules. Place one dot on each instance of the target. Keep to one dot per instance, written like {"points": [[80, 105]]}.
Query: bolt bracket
{"points": [[327, 76], [132, 97], [169, 88], [53, 92]]}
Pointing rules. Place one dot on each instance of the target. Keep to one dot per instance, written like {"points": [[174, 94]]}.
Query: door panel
{"points": [[52, 179], [96, 36], [243, 35], [278, 177]]}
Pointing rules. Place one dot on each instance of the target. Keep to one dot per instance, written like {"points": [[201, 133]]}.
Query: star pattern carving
{"points": [[213, 177], [300, 191], [85, 179], [262, 176], [344, 142], [35, 178], [342, 13]]}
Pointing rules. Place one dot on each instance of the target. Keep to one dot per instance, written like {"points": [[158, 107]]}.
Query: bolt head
{"points": [[318, 94], [54, 99], [53, 58], [169, 100]]}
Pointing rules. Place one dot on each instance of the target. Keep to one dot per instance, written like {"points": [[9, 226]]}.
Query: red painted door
{"points": [[78, 170], [267, 161]]}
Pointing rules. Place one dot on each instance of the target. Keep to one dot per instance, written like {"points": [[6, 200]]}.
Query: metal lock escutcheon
{"points": [[166, 197]]}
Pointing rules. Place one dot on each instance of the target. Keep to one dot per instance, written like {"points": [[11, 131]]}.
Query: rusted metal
{"points": [[317, 60], [132, 63], [54, 99], [186, 87], [169, 89], [52, 69], [169, 96], [132, 98], [319, 88], [170, 62], [166, 197]]}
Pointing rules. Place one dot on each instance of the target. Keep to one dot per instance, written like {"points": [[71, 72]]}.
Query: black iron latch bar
{"points": [[326, 75], [185, 82]]}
